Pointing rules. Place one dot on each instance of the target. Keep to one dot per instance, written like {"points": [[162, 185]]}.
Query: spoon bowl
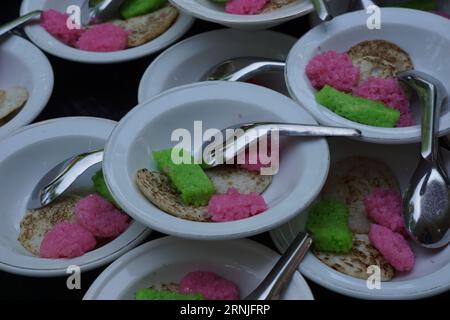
{"points": [[426, 202]]}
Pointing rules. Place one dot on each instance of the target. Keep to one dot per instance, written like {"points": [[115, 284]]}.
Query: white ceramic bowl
{"points": [[427, 42], [303, 162], [431, 273], [24, 65], [48, 43], [214, 12], [25, 157], [169, 259], [189, 60]]}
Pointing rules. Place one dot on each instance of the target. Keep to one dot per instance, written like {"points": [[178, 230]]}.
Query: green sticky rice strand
{"points": [[134, 8], [328, 223], [189, 178], [152, 294], [361, 110]]}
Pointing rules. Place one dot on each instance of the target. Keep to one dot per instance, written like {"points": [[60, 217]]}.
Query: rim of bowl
{"points": [[66, 123], [407, 17], [202, 230], [48, 43], [42, 85]]}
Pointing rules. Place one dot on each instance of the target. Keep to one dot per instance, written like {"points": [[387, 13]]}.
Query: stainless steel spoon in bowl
{"points": [[242, 68], [426, 204], [61, 177], [89, 11], [239, 137], [273, 284], [55, 182]]}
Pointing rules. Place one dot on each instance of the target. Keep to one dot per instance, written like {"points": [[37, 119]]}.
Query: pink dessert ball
{"points": [[100, 217], [333, 69], [245, 6], [210, 285], [384, 207], [55, 23], [390, 92], [66, 240], [235, 206], [394, 248], [104, 37]]}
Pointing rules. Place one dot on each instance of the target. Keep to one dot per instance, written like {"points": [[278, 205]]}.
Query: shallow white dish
{"points": [[25, 157], [215, 12], [428, 44], [431, 274], [189, 60], [169, 259], [24, 65], [303, 162], [48, 43]]}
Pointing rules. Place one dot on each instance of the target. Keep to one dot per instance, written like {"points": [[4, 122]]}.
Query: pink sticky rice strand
{"points": [[384, 207], [235, 206], [394, 248], [100, 217], [105, 37], [210, 285], [333, 69], [245, 7], [390, 92], [55, 23], [66, 240]]}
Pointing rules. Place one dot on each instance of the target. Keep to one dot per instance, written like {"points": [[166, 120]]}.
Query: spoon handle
{"points": [[254, 69], [294, 129], [281, 273], [19, 21]]}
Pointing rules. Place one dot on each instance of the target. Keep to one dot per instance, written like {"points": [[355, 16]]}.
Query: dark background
{"points": [[107, 91]]}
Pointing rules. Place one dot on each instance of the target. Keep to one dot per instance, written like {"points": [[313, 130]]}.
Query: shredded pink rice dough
{"points": [[333, 69], [104, 37], [100, 217], [390, 92], [394, 248], [66, 240], [210, 285], [247, 7], [384, 207], [235, 206], [55, 23]]}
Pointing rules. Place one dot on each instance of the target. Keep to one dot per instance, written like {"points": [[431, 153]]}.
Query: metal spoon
{"points": [[239, 137], [280, 275], [54, 183], [426, 202], [61, 177], [98, 12], [242, 68]]}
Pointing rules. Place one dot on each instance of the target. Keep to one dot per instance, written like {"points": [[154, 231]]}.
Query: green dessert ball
{"points": [[152, 294], [328, 223], [100, 186], [361, 110], [134, 8], [189, 179], [427, 5]]}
